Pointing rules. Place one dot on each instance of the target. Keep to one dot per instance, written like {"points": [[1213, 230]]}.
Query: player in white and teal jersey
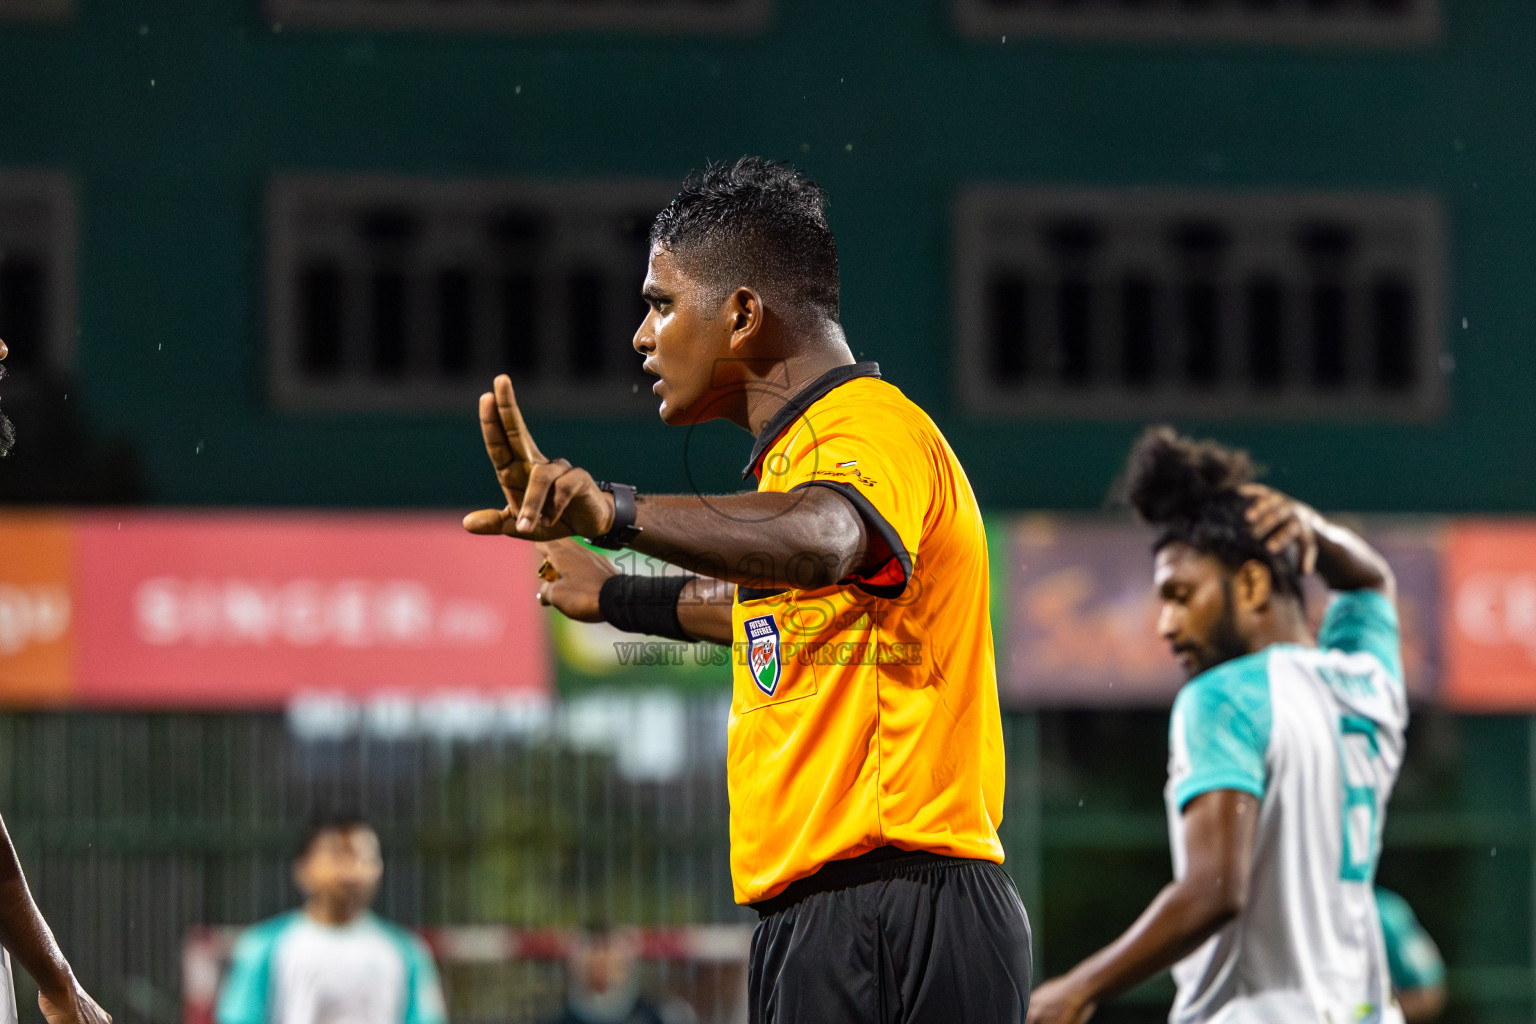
{"points": [[332, 962], [1283, 748]]}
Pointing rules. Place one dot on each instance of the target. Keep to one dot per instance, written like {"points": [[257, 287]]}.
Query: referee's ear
{"points": [[744, 307]]}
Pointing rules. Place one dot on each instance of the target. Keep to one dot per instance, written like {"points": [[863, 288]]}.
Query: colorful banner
{"points": [[1081, 622], [169, 609], [247, 610], [37, 604], [1490, 616]]}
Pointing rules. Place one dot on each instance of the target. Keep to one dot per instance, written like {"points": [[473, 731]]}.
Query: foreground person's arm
{"points": [[801, 539], [31, 944], [1219, 828]]}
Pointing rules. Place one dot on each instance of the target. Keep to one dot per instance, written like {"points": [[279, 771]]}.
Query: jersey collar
{"points": [[803, 400]]}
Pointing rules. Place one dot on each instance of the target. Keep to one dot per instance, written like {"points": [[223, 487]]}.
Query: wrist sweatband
{"points": [[643, 604]]}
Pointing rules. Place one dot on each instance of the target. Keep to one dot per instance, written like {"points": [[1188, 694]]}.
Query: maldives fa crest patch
{"points": [[763, 652]]}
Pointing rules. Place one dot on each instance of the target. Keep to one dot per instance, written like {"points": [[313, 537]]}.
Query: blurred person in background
{"points": [[23, 932], [1418, 970], [865, 758], [603, 983], [1284, 748], [332, 961]]}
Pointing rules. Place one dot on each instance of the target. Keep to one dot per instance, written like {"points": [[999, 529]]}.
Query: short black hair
{"points": [[1188, 491], [758, 224], [320, 824]]}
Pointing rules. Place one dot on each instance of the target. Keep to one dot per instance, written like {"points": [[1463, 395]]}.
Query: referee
{"points": [[865, 763]]}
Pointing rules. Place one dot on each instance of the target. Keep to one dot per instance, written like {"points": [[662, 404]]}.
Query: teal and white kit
{"points": [[294, 970], [1316, 734]]}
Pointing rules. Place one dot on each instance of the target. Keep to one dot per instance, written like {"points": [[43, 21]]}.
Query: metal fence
{"points": [[136, 829]]}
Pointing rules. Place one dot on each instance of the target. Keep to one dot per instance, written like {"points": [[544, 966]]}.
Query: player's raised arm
{"points": [[1338, 554], [25, 934]]}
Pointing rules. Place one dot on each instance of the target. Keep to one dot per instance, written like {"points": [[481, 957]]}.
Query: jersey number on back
{"points": [[1360, 766]]}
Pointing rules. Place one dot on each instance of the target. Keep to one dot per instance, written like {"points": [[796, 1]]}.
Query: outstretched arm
{"points": [[26, 935], [803, 539], [1338, 554], [1219, 829]]}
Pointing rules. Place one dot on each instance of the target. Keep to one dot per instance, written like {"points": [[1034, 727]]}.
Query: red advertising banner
{"points": [[1490, 616], [246, 610]]}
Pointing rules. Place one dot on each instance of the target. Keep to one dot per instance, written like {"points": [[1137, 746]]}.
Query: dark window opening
{"points": [[1202, 334], [1075, 331], [23, 312], [520, 323], [320, 319], [455, 322], [1328, 336], [388, 310], [1007, 327], [1393, 327], [1266, 334], [584, 295], [1138, 337]]}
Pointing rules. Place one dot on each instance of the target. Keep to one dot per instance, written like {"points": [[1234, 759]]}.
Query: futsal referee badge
{"points": [[763, 652]]}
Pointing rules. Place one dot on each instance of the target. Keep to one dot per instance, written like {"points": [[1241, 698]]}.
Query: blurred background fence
{"points": [[136, 829]]}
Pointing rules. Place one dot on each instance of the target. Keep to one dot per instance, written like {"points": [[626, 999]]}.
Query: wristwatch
{"points": [[624, 529]]}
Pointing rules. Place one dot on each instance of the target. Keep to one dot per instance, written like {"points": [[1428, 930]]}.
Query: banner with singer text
{"points": [[166, 609]]}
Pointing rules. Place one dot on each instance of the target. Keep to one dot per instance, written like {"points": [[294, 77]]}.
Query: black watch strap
{"points": [[624, 529]]}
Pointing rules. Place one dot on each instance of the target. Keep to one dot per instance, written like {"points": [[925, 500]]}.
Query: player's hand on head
{"points": [[578, 576], [1059, 1001], [547, 499], [75, 1007], [1280, 521]]}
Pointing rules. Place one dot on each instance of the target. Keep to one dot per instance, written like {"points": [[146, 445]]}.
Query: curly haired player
{"points": [[1283, 748]]}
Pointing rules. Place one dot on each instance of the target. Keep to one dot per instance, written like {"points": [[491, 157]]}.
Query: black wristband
{"points": [[643, 604], [623, 529]]}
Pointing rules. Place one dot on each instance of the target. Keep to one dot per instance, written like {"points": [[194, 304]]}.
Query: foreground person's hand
{"points": [[1059, 1001], [579, 574], [72, 1006], [546, 498]]}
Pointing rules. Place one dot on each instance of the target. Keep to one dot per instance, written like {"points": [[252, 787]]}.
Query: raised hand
{"points": [[547, 499], [1279, 521]]}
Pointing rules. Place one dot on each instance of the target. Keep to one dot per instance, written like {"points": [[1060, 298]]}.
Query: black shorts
{"points": [[892, 937]]}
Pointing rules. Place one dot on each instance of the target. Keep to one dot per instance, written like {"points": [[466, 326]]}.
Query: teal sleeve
{"points": [[1221, 721], [1412, 957], [424, 992], [1364, 620], [247, 988]]}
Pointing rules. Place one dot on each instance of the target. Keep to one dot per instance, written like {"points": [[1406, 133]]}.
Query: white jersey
{"points": [[1317, 735], [8, 1013], [295, 970]]}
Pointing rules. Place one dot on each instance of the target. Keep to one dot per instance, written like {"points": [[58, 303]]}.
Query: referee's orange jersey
{"points": [[865, 714]]}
